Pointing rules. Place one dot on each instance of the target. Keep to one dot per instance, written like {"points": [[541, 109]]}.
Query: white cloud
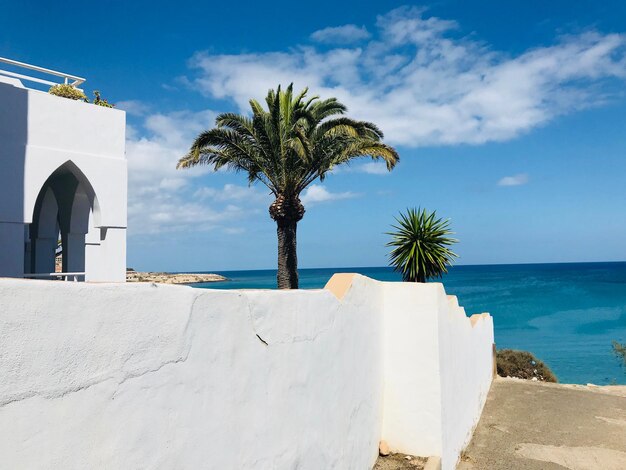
{"points": [[234, 230], [317, 193], [134, 107], [233, 192], [346, 34], [416, 77], [172, 183], [152, 153], [515, 180], [373, 168], [162, 198], [423, 84]]}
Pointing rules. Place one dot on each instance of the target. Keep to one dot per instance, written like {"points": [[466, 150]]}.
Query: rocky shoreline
{"points": [[169, 278]]}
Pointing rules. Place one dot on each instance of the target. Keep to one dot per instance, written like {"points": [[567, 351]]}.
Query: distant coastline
{"points": [[172, 278]]}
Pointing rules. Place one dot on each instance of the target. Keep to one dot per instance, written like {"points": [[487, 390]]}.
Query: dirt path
{"points": [[400, 462], [538, 426]]}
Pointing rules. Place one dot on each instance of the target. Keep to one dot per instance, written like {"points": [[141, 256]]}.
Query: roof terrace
{"points": [[37, 75]]}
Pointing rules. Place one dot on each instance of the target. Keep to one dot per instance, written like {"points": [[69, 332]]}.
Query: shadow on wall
{"points": [[63, 209], [13, 139]]}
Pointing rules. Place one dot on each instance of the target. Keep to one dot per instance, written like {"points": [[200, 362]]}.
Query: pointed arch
{"points": [[85, 187], [66, 204], [71, 168]]}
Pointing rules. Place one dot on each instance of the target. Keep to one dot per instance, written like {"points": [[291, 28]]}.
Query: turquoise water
{"points": [[566, 314]]}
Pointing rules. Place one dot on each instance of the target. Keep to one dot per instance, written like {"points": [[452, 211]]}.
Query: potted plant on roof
{"points": [[65, 90]]}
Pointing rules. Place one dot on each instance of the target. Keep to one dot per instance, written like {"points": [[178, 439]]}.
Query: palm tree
{"points": [[286, 147], [420, 246]]}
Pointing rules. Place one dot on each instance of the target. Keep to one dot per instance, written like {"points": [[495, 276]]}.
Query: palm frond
{"points": [[289, 142]]}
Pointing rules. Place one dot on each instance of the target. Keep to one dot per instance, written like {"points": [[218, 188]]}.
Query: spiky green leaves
{"points": [[287, 146], [420, 245]]}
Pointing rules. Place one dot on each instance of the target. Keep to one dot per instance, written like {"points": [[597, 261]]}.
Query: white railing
{"points": [[67, 78], [64, 276]]}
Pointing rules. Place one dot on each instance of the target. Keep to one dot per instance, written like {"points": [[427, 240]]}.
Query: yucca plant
{"points": [[286, 147], [420, 245]]}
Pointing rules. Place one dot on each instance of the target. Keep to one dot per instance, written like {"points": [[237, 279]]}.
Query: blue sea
{"points": [[566, 314]]}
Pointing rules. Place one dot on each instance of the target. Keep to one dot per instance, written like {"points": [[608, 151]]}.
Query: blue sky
{"points": [[510, 119]]}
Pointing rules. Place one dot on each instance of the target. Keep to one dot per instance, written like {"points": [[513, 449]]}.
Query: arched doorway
{"points": [[64, 206]]}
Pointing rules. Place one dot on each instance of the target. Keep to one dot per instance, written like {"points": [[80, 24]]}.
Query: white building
{"points": [[63, 177]]}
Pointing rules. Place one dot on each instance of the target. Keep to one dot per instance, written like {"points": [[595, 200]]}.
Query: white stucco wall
{"points": [[412, 389], [155, 376], [466, 363], [39, 133], [438, 369], [143, 376]]}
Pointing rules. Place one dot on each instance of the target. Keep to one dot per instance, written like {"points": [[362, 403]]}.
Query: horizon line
{"points": [[390, 267]]}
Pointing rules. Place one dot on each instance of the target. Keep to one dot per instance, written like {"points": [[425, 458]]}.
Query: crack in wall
{"points": [[294, 338]]}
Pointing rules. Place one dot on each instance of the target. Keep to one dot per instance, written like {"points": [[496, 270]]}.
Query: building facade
{"points": [[63, 186]]}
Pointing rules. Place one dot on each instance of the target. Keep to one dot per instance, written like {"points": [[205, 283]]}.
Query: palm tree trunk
{"points": [[287, 211], [287, 276]]}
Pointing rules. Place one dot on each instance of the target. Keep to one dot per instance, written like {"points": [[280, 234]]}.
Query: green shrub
{"points": [[522, 365], [68, 91], [98, 101], [620, 352]]}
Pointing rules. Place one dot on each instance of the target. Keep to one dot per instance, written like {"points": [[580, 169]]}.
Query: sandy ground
{"points": [[540, 426], [399, 462], [166, 278]]}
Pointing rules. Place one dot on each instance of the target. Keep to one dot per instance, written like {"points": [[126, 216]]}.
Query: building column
{"points": [[11, 249], [45, 250], [74, 253]]}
